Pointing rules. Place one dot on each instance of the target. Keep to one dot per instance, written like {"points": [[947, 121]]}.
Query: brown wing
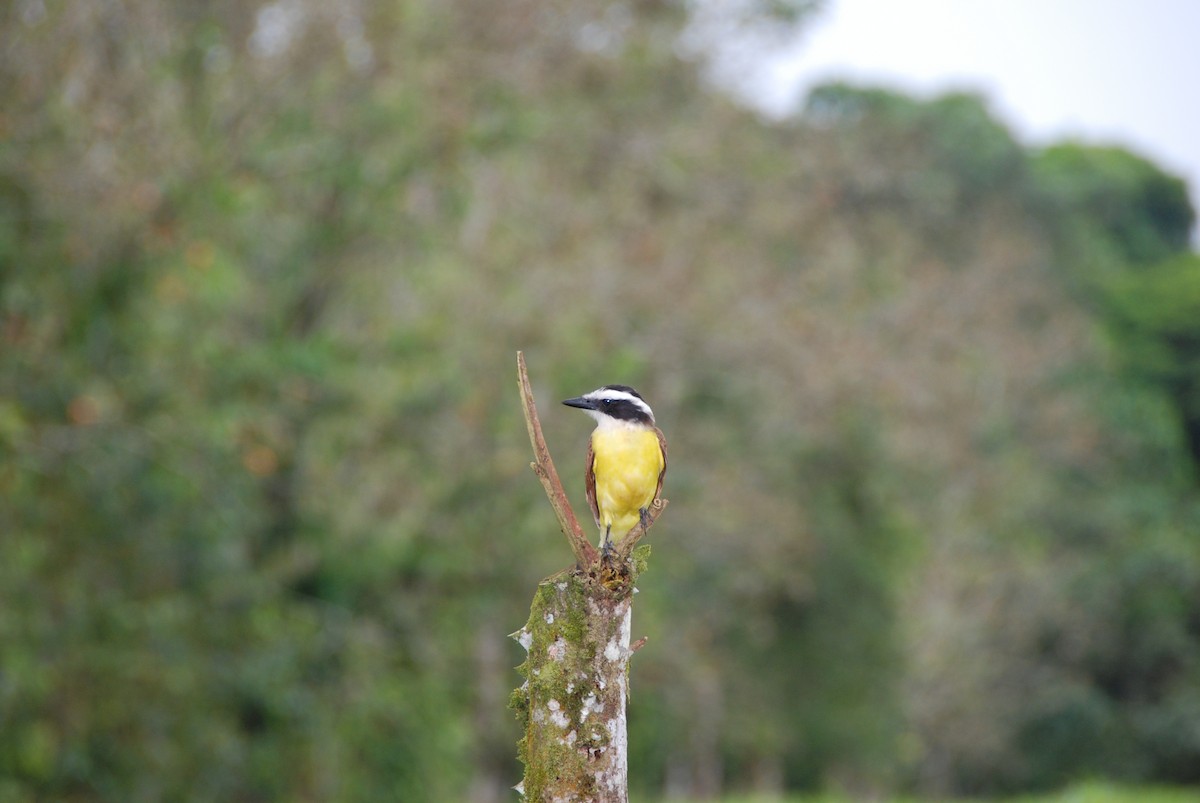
{"points": [[589, 482], [662, 444]]}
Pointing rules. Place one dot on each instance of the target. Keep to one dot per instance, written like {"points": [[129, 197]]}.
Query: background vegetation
{"points": [[265, 510]]}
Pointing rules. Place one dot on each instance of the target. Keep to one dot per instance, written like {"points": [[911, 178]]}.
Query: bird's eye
{"points": [[608, 402]]}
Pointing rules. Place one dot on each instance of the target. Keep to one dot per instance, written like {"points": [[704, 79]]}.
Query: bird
{"points": [[626, 460]]}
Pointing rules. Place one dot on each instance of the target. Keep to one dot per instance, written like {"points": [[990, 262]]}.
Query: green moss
{"points": [[518, 701], [564, 612], [563, 599], [575, 626], [639, 559]]}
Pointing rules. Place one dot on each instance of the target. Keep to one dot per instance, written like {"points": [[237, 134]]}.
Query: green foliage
{"points": [[1155, 313], [1126, 201], [948, 152]]}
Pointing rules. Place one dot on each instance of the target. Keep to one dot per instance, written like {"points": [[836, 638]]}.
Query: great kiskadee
{"points": [[626, 459]]}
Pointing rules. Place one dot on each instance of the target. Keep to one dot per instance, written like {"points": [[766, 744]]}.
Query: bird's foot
{"points": [[644, 516]]}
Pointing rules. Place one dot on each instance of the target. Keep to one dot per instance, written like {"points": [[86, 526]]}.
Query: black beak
{"points": [[581, 403]]}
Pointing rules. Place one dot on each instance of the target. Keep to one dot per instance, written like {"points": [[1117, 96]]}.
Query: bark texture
{"points": [[573, 701]]}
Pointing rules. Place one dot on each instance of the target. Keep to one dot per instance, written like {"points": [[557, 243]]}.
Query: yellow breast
{"points": [[627, 464]]}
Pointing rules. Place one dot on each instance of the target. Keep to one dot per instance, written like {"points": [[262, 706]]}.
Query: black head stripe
{"points": [[622, 403], [625, 410]]}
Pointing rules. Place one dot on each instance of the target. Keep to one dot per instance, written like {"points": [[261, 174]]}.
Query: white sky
{"points": [[1104, 71]]}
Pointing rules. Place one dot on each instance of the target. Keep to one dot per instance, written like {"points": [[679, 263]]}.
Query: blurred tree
{"points": [[1124, 201], [267, 516], [1156, 314]]}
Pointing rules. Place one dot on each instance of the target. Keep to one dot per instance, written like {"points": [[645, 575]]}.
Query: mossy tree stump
{"points": [[573, 702]]}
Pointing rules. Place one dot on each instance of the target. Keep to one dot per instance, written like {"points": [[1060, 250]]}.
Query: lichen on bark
{"points": [[572, 704]]}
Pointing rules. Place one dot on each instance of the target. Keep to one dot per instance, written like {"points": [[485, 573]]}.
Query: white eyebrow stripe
{"points": [[620, 394]]}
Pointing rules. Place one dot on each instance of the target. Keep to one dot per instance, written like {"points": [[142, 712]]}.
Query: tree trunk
{"points": [[572, 703]]}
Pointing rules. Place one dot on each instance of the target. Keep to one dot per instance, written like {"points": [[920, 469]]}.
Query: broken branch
{"points": [[543, 466]]}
